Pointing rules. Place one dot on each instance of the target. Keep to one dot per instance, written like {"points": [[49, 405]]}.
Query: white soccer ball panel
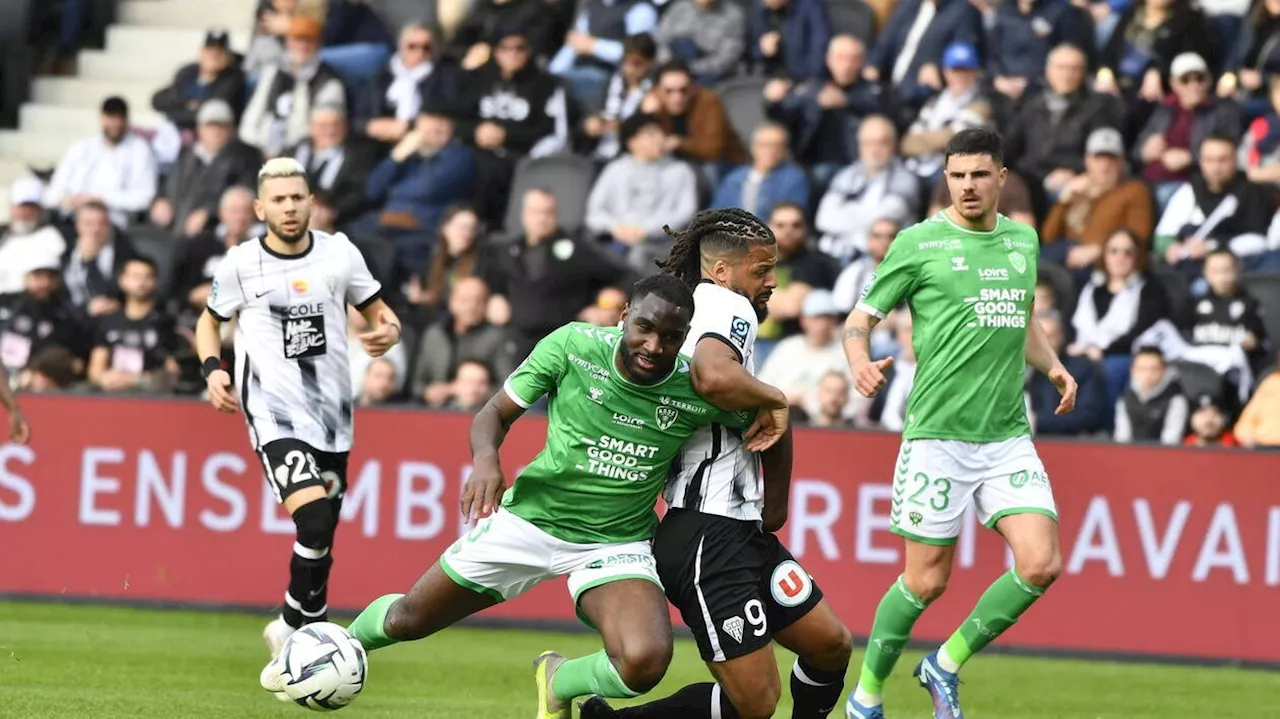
{"points": [[324, 667]]}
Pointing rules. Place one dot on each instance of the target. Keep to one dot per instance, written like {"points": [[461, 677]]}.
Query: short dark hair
{"points": [[789, 205], [1150, 350], [727, 229], [977, 141], [1221, 137], [142, 260], [642, 44], [671, 66], [477, 362], [1223, 252], [666, 287]]}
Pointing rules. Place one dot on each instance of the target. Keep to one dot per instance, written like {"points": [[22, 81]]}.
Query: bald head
{"points": [[845, 58]]}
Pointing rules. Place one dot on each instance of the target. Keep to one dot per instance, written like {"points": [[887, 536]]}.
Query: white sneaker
{"points": [[276, 634]]}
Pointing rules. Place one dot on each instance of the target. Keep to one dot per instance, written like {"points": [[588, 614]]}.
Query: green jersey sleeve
{"points": [[893, 280], [541, 371]]}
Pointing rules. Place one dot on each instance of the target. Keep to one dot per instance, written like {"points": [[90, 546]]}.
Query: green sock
{"points": [[369, 626], [897, 613], [592, 674], [997, 610]]}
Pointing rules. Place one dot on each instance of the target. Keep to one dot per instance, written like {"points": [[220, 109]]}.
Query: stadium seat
{"points": [[1176, 288], [1198, 380], [568, 177], [158, 246], [743, 99], [1064, 288], [852, 17], [379, 255], [1265, 287]]}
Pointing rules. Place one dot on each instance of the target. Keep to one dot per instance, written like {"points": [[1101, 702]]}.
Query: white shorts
{"points": [[935, 479], [506, 556]]}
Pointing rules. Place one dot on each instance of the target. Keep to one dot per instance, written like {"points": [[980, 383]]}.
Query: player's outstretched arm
{"points": [[775, 463], [19, 431], [209, 349], [868, 376], [1041, 355], [488, 430], [718, 375]]}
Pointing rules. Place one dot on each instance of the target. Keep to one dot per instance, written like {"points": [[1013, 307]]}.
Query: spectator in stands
{"points": [[959, 106], [823, 114], [607, 311], [418, 70], [1210, 426], [280, 109], [1254, 60], [877, 185], [27, 237], [893, 410], [428, 171], [355, 43], [640, 192], [694, 120], [460, 336], [471, 40], [53, 370], [1153, 408], [472, 387], [545, 277], [1095, 204], [708, 35], [511, 103], [267, 48], [771, 177], [195, 260], [907, 53], [1170, 142], [1217, 207], [134, 345], [94, 261], [1137, 59], [40, 317], [854, 278], [453, 260], [1259, 423], [216, 75], [377, 384], [797, 365], [188, 202], [1015, 199], [1260, 146], [623, 96], [789, 38], [1119, 304], [1227, 315], [1023, 33], [338, 161], [800, 270], [116, 169], [1046, 142], [593, 48], [827, 408], [1092, 409]]}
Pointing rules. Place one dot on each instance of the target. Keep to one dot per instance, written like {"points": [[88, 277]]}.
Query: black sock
{"points": [[814, 692], [691, 702], [307, 599]]}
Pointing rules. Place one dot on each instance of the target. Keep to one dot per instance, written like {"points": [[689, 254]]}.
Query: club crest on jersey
{"points": [[733, 626], [1018, 261], [594, 394], [666, 416], [738, 331], [958, 264], [331, 283]]}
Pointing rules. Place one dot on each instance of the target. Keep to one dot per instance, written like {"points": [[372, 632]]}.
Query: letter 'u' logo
{"points": [[790, 584]]}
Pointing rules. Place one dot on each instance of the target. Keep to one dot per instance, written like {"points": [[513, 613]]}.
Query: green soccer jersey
{"points": [[610, 441], [970, 297]]}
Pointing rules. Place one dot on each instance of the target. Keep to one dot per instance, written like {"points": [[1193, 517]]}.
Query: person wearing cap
{"points": [[419, 69], [640, 192], [279, 111], [1209, 425], [510, 103], [1024, 34], [1101, 200], [907, 52], [39, 317], [960, 105], [1045, 142], [1170, 140], [188, 201], [215, 74], [116, 168], [797, 364], [27, 237]]}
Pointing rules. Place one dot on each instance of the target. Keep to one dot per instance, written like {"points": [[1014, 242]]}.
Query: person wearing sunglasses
{"points": [[388, 109]]}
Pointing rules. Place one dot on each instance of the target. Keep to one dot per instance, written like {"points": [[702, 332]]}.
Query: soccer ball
{"points": [[323, 667]]}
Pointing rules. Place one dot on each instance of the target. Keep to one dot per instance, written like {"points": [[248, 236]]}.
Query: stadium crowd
{"points": [[509, 165]]}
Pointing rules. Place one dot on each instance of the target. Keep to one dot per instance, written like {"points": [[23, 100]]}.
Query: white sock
{"points": [[866, 699], [946, 662]]}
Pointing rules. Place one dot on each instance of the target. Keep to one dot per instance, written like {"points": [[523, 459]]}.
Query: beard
{"points": [[759, 303], [287, 237]]}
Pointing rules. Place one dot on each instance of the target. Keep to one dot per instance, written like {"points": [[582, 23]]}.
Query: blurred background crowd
{"points": [[507, 166]]}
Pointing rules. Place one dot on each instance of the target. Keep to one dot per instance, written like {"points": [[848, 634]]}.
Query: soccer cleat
{"points": [[854, 710], [942, 685], [595, 707], [544, 670], [276, 634]]}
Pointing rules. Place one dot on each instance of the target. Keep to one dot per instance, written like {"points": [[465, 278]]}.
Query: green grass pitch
{"points": [[90, 662]]}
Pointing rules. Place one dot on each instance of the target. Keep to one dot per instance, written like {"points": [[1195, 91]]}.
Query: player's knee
{"points": [[761, 701], [834, 651], [316, 523], [403, 623], [928, 584], [1041, 571], [643, 663]]}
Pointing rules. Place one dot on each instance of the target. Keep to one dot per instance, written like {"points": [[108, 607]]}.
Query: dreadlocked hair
{"points": [[712, 232]]}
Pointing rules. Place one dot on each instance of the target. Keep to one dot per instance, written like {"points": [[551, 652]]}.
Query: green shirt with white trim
{"points": [[970, 294], [610, 442]]}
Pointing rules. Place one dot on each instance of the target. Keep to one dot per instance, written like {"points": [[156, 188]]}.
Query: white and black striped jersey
{"points": [[715, 473], [291, 369]]}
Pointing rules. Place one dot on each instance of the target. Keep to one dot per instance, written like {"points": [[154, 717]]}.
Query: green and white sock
{"points": [[370, 626], [896, 615], [997, 609], [592, 674]]}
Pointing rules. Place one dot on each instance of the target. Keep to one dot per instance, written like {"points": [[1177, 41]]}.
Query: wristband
{"points": [[209, 366]]}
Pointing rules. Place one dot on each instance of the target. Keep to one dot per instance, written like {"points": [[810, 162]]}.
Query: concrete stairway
{"points": [[150, 41]]}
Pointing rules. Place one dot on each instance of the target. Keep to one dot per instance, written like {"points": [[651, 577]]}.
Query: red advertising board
{"points": [[1167, 551]]}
